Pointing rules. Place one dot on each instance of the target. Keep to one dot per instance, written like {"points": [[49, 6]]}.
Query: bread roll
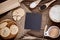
{"points": [[9, 22], [18, 13], [14, 29], [3, 25], [10, 30], [5, 32]]}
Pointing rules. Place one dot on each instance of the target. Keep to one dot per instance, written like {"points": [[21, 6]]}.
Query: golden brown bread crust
{"points": [[10, 22]]}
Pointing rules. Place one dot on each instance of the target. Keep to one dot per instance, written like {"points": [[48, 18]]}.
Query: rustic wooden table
{"points": [[45, 18]]}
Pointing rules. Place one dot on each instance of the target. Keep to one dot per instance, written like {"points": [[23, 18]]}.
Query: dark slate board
{"points": [[33, 21]]}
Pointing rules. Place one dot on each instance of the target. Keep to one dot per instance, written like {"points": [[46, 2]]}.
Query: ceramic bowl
{"points": [[54, 13]]}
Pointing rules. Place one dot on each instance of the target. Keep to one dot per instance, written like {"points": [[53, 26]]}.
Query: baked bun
{"points": [[8, 29], [3, 25], [18, 13], [5, 32], [14, 29]]}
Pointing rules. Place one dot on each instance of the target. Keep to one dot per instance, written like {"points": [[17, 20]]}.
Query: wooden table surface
{"points": [[45, 16]]}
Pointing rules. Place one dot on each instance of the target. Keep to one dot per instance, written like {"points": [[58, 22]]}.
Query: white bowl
{"points": [[54, 13], [48, 31]]}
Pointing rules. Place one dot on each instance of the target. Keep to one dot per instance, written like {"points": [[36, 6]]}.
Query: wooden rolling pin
{"points": [[8, 5]]}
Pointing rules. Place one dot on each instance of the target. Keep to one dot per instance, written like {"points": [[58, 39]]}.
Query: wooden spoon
{"points": [[45, 29], [34, 4], [44, 6]]}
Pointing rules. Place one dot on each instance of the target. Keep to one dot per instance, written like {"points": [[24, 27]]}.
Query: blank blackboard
{"points": [[33, 21]]}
